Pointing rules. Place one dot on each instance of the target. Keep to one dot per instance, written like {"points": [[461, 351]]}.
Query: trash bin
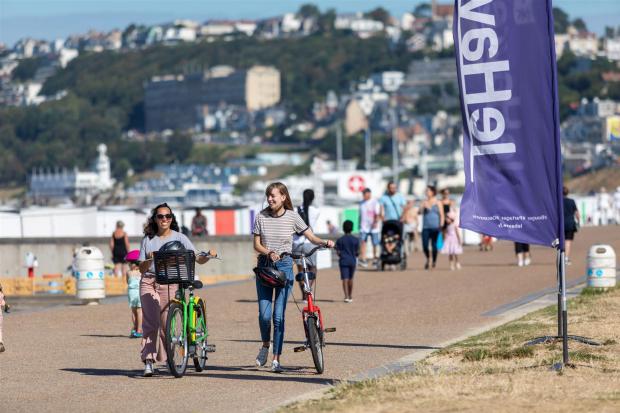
{"points": [[89, 273], [601, 271]]}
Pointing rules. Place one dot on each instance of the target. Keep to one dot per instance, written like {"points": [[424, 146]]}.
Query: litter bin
{"points": [[601, 271], [89, 272]]}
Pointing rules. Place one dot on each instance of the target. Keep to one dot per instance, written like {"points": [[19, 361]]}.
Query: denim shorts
{"points": [[373, 235]]}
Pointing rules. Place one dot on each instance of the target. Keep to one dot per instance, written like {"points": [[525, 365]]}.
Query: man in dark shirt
{"points": [[571, 222], [347, 248]]}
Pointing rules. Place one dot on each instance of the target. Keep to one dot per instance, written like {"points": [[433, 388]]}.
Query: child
{"points": [[347, 248], [3, 306], [133, 292], [452, 242]]}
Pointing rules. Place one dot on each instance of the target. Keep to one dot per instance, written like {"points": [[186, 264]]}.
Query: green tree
{"points": [[308, 10], [180, 146], [560, 20], [380, 14], [27, 68], [580, 25], [423, 10]]}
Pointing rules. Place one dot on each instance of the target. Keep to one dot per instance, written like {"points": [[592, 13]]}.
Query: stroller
{"points": [[392, 245]]}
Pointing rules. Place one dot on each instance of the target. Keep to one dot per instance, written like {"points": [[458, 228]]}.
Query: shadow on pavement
{"points": [[106, 372], [370, 345]]}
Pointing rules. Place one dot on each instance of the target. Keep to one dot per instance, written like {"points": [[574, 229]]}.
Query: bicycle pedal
{"points": [[299, 349], [210, 348], [330, 330]]}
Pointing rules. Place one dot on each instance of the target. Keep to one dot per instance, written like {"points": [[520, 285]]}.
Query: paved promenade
{"points": [[76, 358]]}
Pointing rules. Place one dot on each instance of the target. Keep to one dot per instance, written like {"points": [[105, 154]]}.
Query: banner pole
{"points": [[559, 280], [564, 310]]}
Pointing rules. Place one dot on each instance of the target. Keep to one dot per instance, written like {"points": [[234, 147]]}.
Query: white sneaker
{"points": [[261, 358], [148, 368], [276, 367]]}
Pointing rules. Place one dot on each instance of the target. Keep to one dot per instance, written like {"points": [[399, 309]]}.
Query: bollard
{"points": [[601, 266], [89, 272]]}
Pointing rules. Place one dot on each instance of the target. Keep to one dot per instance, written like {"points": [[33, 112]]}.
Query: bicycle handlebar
{"points": [[302, 255]]}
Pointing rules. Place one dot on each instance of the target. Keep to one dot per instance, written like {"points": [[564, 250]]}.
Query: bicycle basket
{"points": [[174, 267]]}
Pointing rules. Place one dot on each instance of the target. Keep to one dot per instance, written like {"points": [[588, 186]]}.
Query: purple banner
{"points": [[506, 65]]}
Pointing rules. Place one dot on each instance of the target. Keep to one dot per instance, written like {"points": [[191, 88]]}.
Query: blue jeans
{"points": [[265, 301]]}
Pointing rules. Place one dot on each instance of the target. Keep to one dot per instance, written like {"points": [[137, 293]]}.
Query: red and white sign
{"points": [[357, 183]]}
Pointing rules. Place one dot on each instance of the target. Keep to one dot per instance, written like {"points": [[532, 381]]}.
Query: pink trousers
{"points": [[154, 298]]}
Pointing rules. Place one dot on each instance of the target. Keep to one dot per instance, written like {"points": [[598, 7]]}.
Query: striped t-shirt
{"points": [[276, 233]]}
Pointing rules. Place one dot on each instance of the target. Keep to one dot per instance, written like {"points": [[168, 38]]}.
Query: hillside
{"points": [[592, 182]]}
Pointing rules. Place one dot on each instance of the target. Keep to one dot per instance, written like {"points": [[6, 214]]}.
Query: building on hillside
{"points": [[580, 42], [612, 48], [52, 187], [426, 73], [184, 101]]}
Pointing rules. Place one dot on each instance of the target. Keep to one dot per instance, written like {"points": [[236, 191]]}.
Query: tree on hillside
{"points": [[609, 32], [326, 21], [380, 14], [560, 20], [423, 10], [308, 10], [580, 25]]}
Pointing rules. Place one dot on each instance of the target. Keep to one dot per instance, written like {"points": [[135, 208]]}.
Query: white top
{"points": [[313, 219]]}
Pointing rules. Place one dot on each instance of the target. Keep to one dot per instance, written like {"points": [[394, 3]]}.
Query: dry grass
{"points": [[495, 372]]}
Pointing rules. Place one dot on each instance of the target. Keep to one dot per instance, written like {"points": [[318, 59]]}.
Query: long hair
{"points": [[288, 204], [308, 197], [150, 229]]}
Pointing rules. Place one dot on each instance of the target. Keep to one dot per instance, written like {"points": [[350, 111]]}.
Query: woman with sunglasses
{"points": [[273, 235], [161, 227]]}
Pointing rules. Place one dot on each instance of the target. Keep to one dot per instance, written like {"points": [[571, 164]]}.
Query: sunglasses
{"points": [[162, 216]]}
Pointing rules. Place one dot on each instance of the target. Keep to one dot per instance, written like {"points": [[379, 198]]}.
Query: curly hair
{"points": [[150, 228]]}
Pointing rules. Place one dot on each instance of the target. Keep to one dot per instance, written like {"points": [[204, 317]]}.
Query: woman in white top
{"points": [[273, 235], [310, 215]]}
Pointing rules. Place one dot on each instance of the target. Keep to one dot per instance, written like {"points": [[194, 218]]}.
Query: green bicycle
{"points": [[186, 325]]}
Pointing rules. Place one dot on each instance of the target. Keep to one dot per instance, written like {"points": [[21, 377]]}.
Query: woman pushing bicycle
{"points": [[274, 228], [161, 228]]}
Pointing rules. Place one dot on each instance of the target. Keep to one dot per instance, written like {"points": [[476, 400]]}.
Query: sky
{"points": [[51, 19]]}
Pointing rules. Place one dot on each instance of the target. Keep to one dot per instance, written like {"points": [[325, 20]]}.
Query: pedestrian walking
{"points": [[432, 222], [133, 292], [392, 204], [452, 243], [447, 204], [604, 206], [119, 246], [162, 227], [199, 224], [522, 250], [411, 226], [273, 233], [571, 223], [347, 248], [4, 307], [617, 206], [310, 214], [370, 225]]}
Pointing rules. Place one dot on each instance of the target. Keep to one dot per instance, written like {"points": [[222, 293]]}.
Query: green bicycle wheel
{"points": [[314, 341], [176, 341], [200, 355]]}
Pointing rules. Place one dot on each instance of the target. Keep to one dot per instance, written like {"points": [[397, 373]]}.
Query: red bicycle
{"points": [[311, 314]]}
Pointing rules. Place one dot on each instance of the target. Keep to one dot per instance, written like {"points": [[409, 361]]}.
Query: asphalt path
{"points": [[78, 358]]}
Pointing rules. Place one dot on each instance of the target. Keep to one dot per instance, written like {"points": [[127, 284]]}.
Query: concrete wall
{"points": [[55, 255]]}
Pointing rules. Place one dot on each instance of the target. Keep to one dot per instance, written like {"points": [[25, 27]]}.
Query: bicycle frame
{"points": [[310, 309], [189, 316]]}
